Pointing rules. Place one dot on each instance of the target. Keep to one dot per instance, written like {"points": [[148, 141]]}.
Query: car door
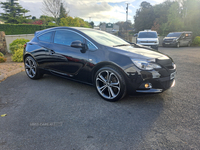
{"points": [[188, 37], [182, 40], [64, 59], [41, 48]]}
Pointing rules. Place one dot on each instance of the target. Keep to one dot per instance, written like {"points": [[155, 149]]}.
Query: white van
{"points": [[148, 38]]}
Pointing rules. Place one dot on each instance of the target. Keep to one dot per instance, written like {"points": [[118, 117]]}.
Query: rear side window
{"points": [[47, 37], [65, 37]]}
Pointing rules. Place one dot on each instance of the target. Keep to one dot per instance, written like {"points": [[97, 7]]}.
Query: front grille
{"points": [[168, 40], [147, 41]]}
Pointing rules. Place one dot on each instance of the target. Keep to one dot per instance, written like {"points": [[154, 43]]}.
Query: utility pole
{"points": [[90, 19], [127, 20]]}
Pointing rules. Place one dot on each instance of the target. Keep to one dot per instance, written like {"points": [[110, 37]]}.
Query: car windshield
{"points": [[147, 35], [173, 34], [104, 38]]}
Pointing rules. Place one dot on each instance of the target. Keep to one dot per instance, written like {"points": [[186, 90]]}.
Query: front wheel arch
{"points": [[104, 64], [117, 74]]}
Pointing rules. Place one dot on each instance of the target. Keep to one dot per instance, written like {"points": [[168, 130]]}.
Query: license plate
{"points": [[173, 75]]}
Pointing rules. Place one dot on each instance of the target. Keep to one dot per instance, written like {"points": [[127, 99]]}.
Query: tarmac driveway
{"points": [[55, 113]]}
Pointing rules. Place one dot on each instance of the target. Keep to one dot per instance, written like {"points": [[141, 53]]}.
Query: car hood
{"points": [[139, 53]]}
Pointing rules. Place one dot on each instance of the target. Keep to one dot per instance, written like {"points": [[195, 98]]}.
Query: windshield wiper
{"points": [[121, 45]]}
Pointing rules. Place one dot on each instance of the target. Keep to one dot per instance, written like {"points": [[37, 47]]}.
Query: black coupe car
{"points": [[114, 66]]}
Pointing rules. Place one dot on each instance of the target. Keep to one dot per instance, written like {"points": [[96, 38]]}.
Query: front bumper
{"points": [[165, 43], [160, 87], [152, 46]]}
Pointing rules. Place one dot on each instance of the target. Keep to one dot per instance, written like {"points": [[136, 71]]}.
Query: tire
{"points": [[31, 68], [110, 84], [178, 45]]}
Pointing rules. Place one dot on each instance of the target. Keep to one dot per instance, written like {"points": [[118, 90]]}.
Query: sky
{"points": [[97, 11]]}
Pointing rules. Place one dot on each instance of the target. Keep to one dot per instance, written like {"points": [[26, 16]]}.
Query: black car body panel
{"points": [[79, 65]]}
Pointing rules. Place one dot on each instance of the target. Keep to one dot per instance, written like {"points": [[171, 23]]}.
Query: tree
{"points": [[14, 13], [46, 19], [161, 12], [33, 18], [54, 8], [144, 18], [92, 24], [74, 22], [63, 13]]}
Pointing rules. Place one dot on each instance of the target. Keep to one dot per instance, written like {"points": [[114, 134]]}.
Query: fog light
{"points": [[148, 85]]}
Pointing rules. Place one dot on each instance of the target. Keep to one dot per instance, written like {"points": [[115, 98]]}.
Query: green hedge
{"points": [[14, 29], [196, 41]]}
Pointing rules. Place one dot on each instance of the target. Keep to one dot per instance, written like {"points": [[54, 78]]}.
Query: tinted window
{"points": [[104, 38], [65, 37], [46, 37], [174, 34], [91, 46], [147, 35]]}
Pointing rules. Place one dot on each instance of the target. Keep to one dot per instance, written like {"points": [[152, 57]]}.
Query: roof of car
{"points": [[62, 27], [147, 31], [182, 32]]}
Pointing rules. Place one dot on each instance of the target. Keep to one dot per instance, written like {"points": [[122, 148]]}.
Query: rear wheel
{"points": [[31, 68], [110, 84]]}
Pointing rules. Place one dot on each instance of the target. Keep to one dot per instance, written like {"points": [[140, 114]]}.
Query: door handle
{"points": [[51, 52]]}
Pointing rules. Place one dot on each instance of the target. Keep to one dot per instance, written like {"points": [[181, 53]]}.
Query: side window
{"points": [[182, 35], [66, 37], [46, 37], [90, 46]]}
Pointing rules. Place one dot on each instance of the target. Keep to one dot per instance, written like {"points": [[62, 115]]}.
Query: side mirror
{"points": [[79, 44]]}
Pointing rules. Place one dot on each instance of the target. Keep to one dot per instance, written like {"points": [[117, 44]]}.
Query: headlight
{"points": [[145, 65], [174, 40]]}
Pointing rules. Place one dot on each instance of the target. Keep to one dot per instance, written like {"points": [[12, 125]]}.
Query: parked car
{"points": [[178, 39], [148, 38], [112, 65]]}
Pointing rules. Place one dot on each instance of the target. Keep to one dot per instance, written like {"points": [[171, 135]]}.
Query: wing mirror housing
{"points": [[79, 44]]}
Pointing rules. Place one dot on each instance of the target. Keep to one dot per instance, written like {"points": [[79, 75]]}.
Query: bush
{"points": [[14, 29], [1, 54], [21, 41], [196, 41], [17, 44], [2, 59], [16, 47], [18, 55]]}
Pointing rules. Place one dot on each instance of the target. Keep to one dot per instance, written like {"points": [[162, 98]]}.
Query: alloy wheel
{"points": [[108, 84], [30, 67]]}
